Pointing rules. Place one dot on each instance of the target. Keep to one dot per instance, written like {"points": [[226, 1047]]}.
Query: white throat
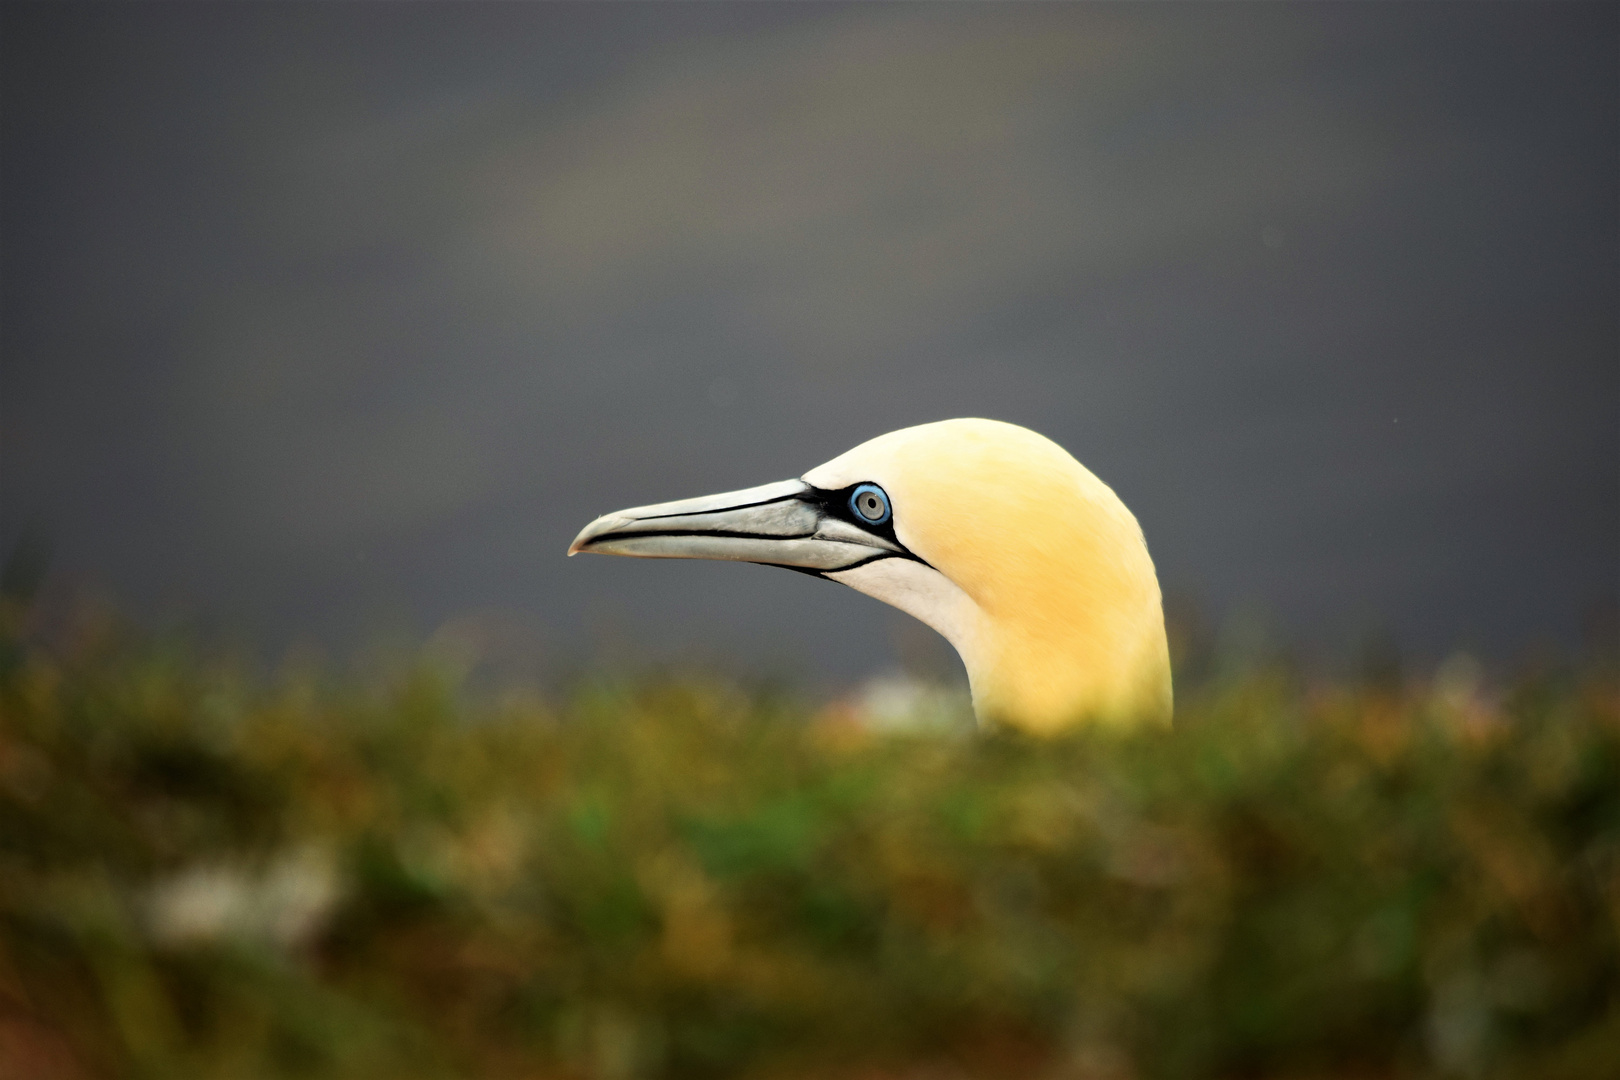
{"points": [[923, 593]]}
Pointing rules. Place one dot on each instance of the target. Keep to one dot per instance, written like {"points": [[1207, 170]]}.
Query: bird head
{"points": [[1030, 566]]}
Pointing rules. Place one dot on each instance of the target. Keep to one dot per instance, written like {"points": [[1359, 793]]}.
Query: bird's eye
{"points": [[870, 504]]}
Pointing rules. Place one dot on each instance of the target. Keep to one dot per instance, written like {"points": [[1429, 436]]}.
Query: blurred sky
{"points": [[316, 317]]}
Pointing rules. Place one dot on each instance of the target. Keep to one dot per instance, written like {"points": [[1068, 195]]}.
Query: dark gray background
{"points": [[323, 319]]}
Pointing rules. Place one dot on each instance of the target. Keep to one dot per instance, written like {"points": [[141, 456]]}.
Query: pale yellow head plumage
{"points": [[995, 536]]}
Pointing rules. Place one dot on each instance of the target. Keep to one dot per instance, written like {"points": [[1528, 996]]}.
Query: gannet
{"points": [[1030, 566]]}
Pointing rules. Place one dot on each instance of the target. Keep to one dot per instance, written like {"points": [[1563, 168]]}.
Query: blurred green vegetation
{"points": [[207, 874]]}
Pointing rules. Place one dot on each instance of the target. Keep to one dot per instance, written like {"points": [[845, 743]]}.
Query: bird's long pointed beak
{"points": [[783, 524]]}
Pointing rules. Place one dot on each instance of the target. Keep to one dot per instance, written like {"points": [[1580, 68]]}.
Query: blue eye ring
{"points": [[870, 504]]}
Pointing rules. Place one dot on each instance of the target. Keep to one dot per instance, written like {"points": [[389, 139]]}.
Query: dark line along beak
{"points": [[782, 524]]}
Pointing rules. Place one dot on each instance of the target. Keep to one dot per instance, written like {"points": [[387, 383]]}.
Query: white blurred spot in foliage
{"points": [[284, 903], [897, 702]]}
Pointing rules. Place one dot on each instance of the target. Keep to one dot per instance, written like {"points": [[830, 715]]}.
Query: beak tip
{"points": [[604, 524]]}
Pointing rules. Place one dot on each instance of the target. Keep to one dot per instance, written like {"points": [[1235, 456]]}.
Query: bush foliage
{"points": [[207, 875]]}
